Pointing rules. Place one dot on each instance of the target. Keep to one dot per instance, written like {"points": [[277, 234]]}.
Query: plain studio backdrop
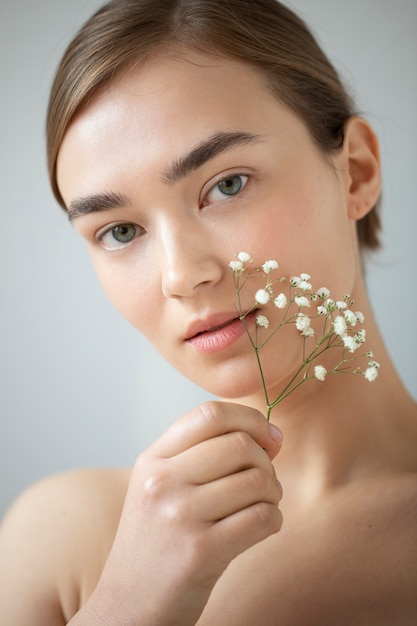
{"points": [[79, 386]]}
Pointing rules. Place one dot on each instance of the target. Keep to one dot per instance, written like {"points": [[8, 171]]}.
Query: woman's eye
{"points": [[229, 186], [118, 236]]}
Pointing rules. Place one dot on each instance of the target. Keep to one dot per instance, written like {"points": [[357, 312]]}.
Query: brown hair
{"points": [[262, 33]]}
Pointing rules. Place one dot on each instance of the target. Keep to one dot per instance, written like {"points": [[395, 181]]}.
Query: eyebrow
{"points": [[203, 152], [178, 169], [97, 202]]}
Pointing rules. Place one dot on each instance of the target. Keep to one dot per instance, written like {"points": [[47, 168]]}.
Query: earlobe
{"points": [[363, 162]]}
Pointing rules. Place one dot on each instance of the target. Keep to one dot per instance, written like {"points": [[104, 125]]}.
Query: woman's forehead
{"points": [[170, 105]]}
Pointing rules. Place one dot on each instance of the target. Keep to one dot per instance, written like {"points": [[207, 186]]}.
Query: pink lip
{"points": [[217, 332]]}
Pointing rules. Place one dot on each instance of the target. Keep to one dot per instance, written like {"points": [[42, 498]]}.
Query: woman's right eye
{"points": [[118, 236]]}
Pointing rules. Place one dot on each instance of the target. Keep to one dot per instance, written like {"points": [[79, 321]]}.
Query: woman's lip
{"points": [[210, 324], [209, 337]]}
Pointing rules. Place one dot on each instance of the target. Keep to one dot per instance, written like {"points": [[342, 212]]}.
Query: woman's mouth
{"points": [[216, 334]]}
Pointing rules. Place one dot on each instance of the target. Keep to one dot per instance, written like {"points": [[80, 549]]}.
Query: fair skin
{"points": [[192, 535]]}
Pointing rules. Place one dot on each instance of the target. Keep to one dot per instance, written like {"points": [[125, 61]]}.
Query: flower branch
{"points": [[339, 327]]}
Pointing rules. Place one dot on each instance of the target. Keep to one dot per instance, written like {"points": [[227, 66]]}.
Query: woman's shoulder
{"points": [[75, 493], [56, 536]]}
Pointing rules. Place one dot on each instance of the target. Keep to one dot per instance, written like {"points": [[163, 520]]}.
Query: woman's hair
{"points": [[262, 33]]}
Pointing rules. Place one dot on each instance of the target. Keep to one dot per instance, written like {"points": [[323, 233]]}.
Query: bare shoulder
{"points": [[54, 541]]}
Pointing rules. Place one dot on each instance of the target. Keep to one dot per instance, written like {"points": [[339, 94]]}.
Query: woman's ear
{"points": [[361, 151]]}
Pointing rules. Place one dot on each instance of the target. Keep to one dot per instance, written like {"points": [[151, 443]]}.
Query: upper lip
{"points": [[210, 323]]}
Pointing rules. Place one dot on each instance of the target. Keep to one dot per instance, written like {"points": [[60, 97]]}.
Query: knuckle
{"points": [[155, 485], [242, 442], [260, 482], [210, 412], [176, 513], [268, 516]]}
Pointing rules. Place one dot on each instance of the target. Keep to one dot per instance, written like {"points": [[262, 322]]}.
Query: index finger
{"points": [[213, 419]]}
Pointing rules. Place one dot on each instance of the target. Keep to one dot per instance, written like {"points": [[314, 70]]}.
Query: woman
{"points": [[180, 133]]}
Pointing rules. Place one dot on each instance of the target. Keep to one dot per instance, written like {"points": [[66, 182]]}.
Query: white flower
{"points": [[350, 317], [360, 317], [308, 332], [304, 284], [262, 296], [371, 373], [302, 322], [281, 301], [339, 326], [236, 266], [268, 266], [301, 301], [321, 310], [320, 372], [340, 305], [360, 336], [330, 305], [262, 320], [301, 281], [350, 343], [244, 257], [323, 293]]}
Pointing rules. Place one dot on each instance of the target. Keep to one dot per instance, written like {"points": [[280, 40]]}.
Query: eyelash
{"points": [[138, 230]]}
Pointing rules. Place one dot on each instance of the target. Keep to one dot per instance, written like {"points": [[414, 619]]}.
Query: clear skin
{"points": [[198, 539]]}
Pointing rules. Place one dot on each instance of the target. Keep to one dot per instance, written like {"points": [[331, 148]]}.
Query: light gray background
{"points": [[79, 387]]}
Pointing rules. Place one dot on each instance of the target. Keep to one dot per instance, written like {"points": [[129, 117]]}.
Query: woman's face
{"points": [[173, 169]]}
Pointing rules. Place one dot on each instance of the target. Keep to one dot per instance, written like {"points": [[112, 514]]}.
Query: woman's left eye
{"points": [[229, 186]]}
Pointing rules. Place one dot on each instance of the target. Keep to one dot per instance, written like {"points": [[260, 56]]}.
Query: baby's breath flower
{"points": [[301, 301], [301, 281], [330, 305], [302, 322], [360, 317], [320, 372], [371, 373], [308, 332], [337, 329], [350, 317], [269, 266], [262, 320], [339, 326], [236, 266], [360, 336], [281, 301], [262, 296], [323, 293], [350, 343], [340, 305], [304, 284]]}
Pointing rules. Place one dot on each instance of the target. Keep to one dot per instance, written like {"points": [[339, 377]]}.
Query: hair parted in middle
{"points": [[261, 33]]}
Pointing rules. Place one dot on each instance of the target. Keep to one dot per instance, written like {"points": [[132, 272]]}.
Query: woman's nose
{"points": [[187, 260]]}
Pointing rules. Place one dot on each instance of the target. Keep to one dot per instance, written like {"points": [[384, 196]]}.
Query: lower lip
{"points": [[222, 338]]}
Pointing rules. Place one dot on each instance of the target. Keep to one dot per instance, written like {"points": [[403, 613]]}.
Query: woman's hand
{"points": [[201, 495]]}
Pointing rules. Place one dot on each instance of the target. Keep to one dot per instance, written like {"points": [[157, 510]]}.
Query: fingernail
{"points": [[275, 432]]}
